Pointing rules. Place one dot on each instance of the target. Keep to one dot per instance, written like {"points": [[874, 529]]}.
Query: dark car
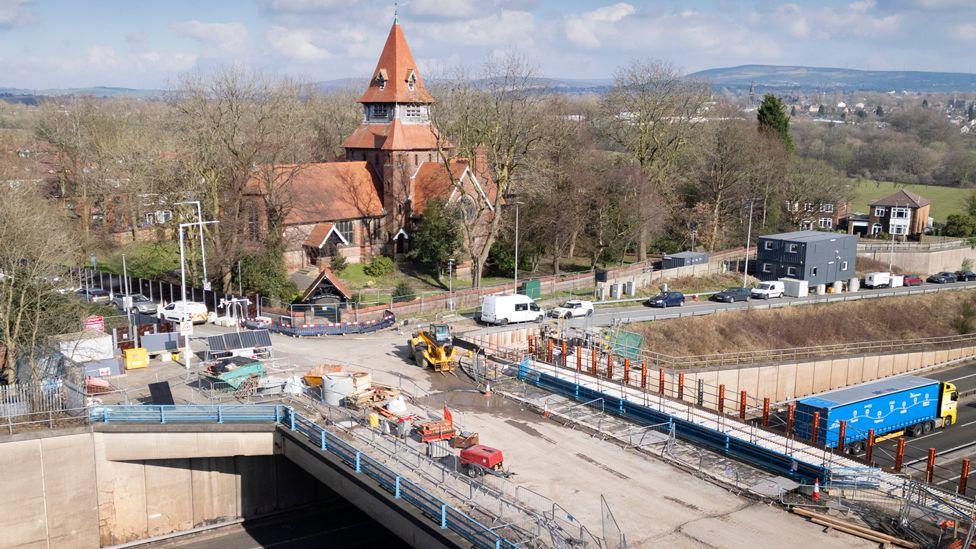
{"points": [[965, 276], [94, 295], [667, 299], [942, 278], [913, 280], [731, 295]]}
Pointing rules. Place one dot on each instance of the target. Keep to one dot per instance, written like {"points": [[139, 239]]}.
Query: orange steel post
{"points": [[564, 349], [742, 404], [593, 366], [964, 477], [530, 345], [660, 381], [643, 375], [626, 371], [579, 358], [815, 428], [549, 351], [841, 435], [609, 365], [900, 453], [721, 398], [681, 386], [790, 418], [765, 412], [930, 466], [870, 449]]}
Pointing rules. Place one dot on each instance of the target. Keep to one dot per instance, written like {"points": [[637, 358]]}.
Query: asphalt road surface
{"points": [[609, 315]]}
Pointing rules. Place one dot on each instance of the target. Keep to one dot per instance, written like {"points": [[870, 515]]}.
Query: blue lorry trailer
{"points": [[903, 403]]}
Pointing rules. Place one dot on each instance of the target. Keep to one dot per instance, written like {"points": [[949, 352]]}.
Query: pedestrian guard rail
{"points": [[326, 329], [436, 509]]}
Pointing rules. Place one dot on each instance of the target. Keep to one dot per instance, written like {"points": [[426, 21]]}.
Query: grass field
{"points": [[945, 200]]}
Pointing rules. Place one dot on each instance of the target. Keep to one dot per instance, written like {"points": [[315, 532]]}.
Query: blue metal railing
{"points": [[438, 510]]}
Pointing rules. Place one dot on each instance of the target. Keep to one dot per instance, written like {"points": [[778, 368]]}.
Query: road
{"points": [[606, 315]]}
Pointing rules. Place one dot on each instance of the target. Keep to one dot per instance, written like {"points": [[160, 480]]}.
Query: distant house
{"points": [[903, 213], [815, 256], [817, 215]]}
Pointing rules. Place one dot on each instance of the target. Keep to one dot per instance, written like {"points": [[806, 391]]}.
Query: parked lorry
{"points": [[877, 280], [912, 404]]}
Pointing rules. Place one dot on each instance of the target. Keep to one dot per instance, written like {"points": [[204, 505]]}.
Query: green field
{"points": [[945, 200]]}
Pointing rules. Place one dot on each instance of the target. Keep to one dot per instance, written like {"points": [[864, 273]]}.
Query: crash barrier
{"points": [[436, 509], [315, 330], [685, 429]]}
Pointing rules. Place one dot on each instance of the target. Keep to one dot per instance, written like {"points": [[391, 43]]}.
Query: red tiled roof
{"points": [[318, 235], [395, 136], [330, 191], [902, 198], [396, 64], [432, 181]]}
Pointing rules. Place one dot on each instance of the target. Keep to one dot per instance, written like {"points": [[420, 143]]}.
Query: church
{"points": [[394, 165]]}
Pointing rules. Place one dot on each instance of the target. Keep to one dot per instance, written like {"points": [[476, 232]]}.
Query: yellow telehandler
{"points": [[434, 348]]}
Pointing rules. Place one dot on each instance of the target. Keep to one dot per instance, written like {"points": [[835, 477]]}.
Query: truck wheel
{"points": [[927, 427], [915, 430], [946, 422], [589, 313], [503, 321]]}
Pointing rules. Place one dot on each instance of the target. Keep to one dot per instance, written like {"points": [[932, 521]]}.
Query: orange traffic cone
{"points": [[545, 410], [816, 490], [488, 389]]}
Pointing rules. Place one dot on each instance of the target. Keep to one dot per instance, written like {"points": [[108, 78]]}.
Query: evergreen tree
{"points": [[793, 111], [822, 110], [437, 238], [925, 103], [773, 118], [879, 111], [971, 112]]}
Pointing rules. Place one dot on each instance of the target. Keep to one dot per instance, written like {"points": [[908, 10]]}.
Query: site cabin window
{"points": [[879, 212], [768, 245], [767, 268], [843, 265], [813, 271], [521, 306], [791, 271], [793, 248], [826, 223]]}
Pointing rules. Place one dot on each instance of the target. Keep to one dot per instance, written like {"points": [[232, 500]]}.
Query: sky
{"points": [[150, 43]]}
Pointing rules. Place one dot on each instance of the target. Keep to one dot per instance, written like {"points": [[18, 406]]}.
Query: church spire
{"points": [[396, 78]]}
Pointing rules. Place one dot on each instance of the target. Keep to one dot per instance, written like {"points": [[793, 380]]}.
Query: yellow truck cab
{"points": [[948, 404]]}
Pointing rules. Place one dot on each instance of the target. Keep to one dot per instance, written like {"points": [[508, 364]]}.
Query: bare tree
{"points": [[334, 115], [503, 111], [813, 182], [649, 115]]}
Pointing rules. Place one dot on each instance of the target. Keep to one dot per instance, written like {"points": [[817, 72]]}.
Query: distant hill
{"points": [[32, 97], [824, 78]]}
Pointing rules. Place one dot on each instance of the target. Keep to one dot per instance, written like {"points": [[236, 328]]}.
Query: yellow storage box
{"points": [[135, 358]]}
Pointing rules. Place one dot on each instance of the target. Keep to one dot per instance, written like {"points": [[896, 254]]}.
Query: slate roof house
{"points": [[903, 213], [368, 203]]}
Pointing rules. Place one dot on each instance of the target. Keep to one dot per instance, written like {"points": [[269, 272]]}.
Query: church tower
{"points": [[396, 135]]}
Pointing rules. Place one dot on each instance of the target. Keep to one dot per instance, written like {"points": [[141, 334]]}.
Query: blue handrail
{"points": [[438, 510]]}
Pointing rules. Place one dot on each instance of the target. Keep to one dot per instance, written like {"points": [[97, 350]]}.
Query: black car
{"points": [[94, 295], [965, 276], [731, 295], [942, 278]]}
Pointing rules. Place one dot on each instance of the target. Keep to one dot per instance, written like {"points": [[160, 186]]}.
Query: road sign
{"points": [[95, 322], [206, 285], [186, 328]]}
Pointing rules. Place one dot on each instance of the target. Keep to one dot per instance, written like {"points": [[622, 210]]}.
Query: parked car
{"points": [[965, 276], [572, 309], [502, 309], [913, 280], [942, 278], [93, 295], [178, 311], [877, 280], [731, 295], [667, 299], [768, 290], [139, 304]]}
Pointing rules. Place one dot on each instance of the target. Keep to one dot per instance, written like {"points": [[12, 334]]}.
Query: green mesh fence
{"points": [[626, 344]]}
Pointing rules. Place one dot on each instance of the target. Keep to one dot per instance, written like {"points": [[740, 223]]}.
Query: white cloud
{"points": [[855, 19], [14, 13], [306, 6], [296, 44], [507, 28], [585, 29], [964, 32], [228, 37]]}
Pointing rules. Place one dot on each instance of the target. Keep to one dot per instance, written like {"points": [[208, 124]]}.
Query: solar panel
{"points": [[233, 341], [216, 343], [258, 338], [242, 340]]}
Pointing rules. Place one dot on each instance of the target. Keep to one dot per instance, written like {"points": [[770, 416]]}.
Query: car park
{"points": [[137, 303], [573, 308], [93, 295], [731, 295], [942, 278], [667, 299], [965, 276], [769, 290], [913, 280]]}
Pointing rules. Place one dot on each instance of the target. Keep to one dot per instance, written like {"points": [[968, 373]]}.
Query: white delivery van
{"points": [[178, 311], [768, 290], [503, 309], [877, 280]]}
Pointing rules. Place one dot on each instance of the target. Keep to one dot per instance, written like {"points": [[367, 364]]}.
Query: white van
{"points": [[877, 280], [769, 290], [178, 311], [502, 309]]}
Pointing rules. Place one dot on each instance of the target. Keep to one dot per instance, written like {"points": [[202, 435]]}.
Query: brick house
{"points": [[818, 215], [902, 213]]}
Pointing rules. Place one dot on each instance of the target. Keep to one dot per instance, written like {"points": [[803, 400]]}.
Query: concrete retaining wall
{"points": [[923, 262], [85, 489]]}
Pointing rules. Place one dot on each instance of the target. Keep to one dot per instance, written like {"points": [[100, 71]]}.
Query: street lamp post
{"points": [[450, 283], [186, 340], [517, 204], [203, 249], [745, 268]]}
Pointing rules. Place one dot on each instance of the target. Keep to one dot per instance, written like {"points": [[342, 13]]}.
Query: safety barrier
{"points": [[441, 512], [325, 329]]}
